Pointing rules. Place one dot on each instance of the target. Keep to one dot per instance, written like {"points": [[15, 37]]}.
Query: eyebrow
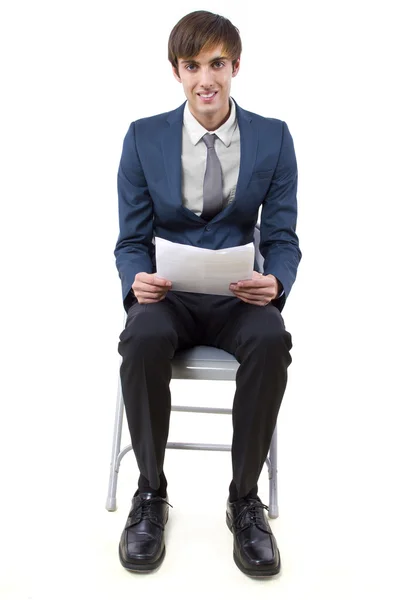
{"points": [[211, 61]]}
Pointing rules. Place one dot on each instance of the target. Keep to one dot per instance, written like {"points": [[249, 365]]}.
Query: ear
{"points": [[236, 68], [176, 74]]}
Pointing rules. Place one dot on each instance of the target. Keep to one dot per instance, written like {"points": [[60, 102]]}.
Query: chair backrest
{"points": [[258, 255]]}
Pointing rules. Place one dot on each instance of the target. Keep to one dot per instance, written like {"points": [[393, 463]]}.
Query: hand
{"points": [[150, 288], [259, 290]]}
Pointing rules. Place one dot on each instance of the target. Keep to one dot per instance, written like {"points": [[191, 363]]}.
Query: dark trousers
{"points": [[255, 335]]}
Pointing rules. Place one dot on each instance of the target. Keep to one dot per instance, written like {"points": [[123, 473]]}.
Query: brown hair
{"points": [[203, 30]]}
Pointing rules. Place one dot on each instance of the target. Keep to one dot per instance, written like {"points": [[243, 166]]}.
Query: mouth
{"points": [[207, 97]]}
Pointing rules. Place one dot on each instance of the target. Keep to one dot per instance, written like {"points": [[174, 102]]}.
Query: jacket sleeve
{"points": [[279, 244], [134, 246]]}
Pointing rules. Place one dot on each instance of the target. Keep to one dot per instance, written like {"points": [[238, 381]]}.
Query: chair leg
{"points": [[273, 511], [111, 503]]}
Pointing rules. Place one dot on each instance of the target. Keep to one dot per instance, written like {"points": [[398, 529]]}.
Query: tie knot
{"points": [[209, 140]]}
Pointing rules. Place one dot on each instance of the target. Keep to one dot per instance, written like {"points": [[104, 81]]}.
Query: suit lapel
{"points": [[172, 151], [248, 148]]}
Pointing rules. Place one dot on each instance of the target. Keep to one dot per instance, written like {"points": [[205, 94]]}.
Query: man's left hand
{"points": [[259, 290]]}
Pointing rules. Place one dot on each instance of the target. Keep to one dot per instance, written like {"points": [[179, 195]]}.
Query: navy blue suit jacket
{"points": [[150, 199]]}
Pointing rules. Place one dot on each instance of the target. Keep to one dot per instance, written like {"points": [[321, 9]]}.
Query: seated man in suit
{"points": [[198, 175]]}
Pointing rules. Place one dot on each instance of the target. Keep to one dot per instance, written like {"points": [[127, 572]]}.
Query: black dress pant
{"points": [[255, 335]]}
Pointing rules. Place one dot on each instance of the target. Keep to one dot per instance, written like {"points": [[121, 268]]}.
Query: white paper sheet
{"points": [[192, 269]]}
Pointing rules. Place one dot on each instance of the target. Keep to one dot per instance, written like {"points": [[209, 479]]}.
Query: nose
{"points": [[206, 78]]}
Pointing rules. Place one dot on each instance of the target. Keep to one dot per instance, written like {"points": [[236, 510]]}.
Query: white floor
{"points": [[335, 531], [338, 527]]}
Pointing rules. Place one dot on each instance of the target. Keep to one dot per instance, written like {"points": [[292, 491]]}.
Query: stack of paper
{"points": [[192, 269]]}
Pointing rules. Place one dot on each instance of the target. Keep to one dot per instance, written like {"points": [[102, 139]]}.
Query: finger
{"points": [[161, 281], [254, 292], [256, 283], [153, 279], [246, 285], [150, 295], [261, 301], [147, 287], [155, 283]]}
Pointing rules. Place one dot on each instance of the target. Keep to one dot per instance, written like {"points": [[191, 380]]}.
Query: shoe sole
{"points": [[262, 573], [141, 567]]}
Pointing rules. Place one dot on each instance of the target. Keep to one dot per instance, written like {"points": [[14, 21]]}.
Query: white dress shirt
{"points": [[194, 158]]}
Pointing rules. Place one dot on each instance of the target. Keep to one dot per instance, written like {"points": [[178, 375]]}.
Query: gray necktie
{"points": [[212, 187]]}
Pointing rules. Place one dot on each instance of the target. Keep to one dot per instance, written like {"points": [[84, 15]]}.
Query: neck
{"points": [[212, 122]]}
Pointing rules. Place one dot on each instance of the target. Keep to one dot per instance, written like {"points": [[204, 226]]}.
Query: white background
{"points": [[74, 75]]}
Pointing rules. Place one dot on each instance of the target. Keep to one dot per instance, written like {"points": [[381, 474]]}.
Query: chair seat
{"points": [[204, 362]]}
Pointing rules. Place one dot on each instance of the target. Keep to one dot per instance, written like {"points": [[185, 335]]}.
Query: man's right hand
{"points": [[149, 288]]}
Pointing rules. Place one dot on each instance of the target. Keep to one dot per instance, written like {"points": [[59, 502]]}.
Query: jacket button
{"points": [[208, 228]]}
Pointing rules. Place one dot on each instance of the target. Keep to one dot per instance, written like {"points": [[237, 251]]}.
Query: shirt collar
{"points": [[196, 131]]}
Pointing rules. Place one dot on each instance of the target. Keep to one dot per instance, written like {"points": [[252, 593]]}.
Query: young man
{"points": [[198, 175]]}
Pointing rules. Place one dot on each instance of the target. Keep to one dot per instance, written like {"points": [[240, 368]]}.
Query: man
{"points": [[198, 175]]}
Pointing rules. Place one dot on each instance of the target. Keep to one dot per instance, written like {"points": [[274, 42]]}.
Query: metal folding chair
{"points": [[200, 362]]}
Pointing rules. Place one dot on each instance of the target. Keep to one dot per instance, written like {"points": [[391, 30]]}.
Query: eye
{"points": [[219, 62], [190, 65]]}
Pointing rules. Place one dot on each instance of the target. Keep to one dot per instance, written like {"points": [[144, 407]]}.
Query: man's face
{"points": [[206, 80]]}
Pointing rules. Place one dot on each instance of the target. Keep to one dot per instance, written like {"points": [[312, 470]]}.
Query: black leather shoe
{"points": [[255, 551], [142, 547]]}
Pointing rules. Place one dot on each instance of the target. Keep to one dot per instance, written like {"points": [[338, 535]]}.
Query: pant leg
{"points": [[152, 334], [257, 337]]}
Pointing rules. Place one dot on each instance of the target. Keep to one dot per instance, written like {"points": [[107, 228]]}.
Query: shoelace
{"points": [[250, 515], [144, 511]]}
